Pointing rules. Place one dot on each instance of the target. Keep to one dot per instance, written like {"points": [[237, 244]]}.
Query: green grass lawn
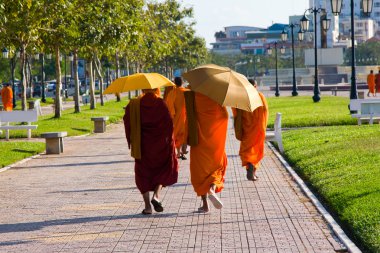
{"points": [[11, 152], [301, 111], [342, 165], [75, 123]]}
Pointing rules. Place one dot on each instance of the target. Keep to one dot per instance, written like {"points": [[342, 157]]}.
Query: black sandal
{"points": [[157, 205], [145, 212]]}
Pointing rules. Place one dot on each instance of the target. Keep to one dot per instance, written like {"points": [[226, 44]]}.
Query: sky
{"points": [[213, 15]]}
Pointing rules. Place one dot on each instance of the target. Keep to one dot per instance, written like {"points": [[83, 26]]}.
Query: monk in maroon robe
{"points": [[149, 131]]}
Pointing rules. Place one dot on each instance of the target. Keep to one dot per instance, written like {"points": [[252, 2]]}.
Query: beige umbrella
{"points": [[224, 86]]}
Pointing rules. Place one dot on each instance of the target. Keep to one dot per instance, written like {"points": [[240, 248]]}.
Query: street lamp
{"points": [[269, 51], [336, 7], [325, 26], [284, 37]]}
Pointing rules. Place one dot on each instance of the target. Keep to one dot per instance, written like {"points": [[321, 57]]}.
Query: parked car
{"points": [[37, 91]]}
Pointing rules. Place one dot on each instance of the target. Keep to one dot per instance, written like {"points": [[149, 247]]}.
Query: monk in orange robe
{"points": [[253, 129], [175, 101], [7, 97], [371, 83], [149, 132], [208, 160], [377, 81]]}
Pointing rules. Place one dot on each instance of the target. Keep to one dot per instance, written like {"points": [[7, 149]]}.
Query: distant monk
{"points": [[7, 97], [377, 81], [149, 131], [207, 138], [371, 83], [177, 108], [250, 129]]}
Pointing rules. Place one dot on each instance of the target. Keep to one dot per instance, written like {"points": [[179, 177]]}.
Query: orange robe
{"points": [[377, 81], [254, 125], [175, 101], [6, 97], [371, 83], [208, 160]]}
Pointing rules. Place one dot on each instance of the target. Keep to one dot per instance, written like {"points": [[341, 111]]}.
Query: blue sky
{"points": [[213, 15]]}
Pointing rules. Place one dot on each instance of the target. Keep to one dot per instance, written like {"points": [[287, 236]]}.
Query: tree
{"points": [[20, 24]]}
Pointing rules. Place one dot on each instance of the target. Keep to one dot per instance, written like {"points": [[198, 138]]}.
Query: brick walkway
{"points": [[85, 200]]}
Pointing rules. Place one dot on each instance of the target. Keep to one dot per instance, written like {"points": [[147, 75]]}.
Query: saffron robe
{"points": [[254, 125], [175, 101], [208, 160], [377, 81], [6, 97], [158, 163], [371, 83]]}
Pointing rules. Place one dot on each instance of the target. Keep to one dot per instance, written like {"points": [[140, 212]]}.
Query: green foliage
{"points": [[367, 53], [341, 163], [301, 111]]}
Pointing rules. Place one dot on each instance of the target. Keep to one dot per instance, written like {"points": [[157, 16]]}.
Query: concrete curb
{"points": [[20, 162], [351, 247]]}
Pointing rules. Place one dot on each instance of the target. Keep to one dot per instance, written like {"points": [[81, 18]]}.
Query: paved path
{"points": [[85, 200]]}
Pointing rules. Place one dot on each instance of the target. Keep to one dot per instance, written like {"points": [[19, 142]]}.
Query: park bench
{"points": [[367, 110], [276, 135], [54, 142], [18, 117], [100, 124]]}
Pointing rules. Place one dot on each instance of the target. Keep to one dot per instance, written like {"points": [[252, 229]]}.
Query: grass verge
{"points": [[301, 111], [341, 164], [12, 152]]}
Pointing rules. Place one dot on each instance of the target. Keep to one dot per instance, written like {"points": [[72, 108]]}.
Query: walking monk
{"points": [[207, 138], [250, 129], [175, 101], [371, 83], [149, 132], [6, 97], [377, 82]]}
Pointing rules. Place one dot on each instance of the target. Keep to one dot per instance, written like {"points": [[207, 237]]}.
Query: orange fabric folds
{"points": [[177, 108], [6, 97], [254, 126], [135, 122], [371, 83], [208, 160]]}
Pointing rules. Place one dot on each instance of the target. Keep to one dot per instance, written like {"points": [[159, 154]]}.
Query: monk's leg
{"points": [[156, 194], [214, 198], [179, 152], [251, 172], [156, 199], [184, 149], [204, 208], [148, 208]]}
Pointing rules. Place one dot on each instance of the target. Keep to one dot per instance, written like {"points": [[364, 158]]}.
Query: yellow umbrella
{"points": [[224, 86], [138, 81]]}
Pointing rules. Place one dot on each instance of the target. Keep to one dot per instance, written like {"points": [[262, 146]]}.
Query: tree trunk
{"points": [[58, 86], [98, 68], [76, 82], [126, 63], [23, 77], [117, 64], [30, 78], [92, 88]]}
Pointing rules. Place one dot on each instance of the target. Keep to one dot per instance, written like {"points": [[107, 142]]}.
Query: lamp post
{"points": [[336, 7], [269, 51], [305, 26], [284, 37]]}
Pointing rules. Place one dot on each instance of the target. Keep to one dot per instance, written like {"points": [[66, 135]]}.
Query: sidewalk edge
{"points": [[351, 247], [20, 162]]}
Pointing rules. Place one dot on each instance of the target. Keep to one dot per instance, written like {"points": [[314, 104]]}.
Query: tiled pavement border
{"points": [[351, 247]]}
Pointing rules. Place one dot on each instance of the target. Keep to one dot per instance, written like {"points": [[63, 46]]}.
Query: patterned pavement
{"points": [[85, 200]]}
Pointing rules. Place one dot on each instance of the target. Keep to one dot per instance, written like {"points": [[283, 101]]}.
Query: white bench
{"points": [[18, 117], [369, 111], [276, 135]]}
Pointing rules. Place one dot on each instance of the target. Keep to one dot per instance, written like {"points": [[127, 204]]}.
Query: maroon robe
{"points": [[158, 163]]}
